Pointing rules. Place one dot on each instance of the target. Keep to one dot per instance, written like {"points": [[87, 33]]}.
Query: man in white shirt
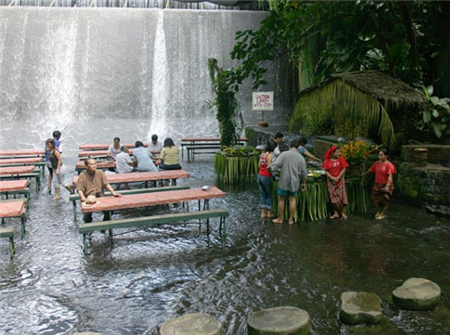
{"points": [[155, 146], [123, 161]]}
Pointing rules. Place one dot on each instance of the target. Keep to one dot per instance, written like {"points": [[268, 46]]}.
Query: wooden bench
{"points": [[152, 221], [14, 209], [34, 175], [8, 232], [200, 149], [14, 187], [75, 197]]}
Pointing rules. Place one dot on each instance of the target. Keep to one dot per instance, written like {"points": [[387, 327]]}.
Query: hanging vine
{"points": [[225, 103]]}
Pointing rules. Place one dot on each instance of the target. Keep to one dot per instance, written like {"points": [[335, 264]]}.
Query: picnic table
{"points": [[203, 145], [87, 147], [102, 165], [143, 177], [36, 161], [14, 209], [13, 187], [21, 153], [96, 154], [20, 172]]}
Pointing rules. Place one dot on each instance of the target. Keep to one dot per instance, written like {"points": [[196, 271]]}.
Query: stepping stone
{"points": [[417, 294], [359, 308], [285, 320], [192, 324]]}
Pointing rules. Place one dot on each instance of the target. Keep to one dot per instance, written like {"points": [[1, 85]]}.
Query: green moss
{"points": [[414, 194], [384, 327]]}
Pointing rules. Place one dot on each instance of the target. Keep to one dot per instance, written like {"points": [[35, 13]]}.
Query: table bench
{"points": [[21, 153], [203, 145], [14, 209], [21, 172], [36, 161], [8, 232], [14, 187], [75, 197], [89, 147], [152, 221]]}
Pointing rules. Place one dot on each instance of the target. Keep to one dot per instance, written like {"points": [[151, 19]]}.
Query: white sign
{"points": [[262, 101]]}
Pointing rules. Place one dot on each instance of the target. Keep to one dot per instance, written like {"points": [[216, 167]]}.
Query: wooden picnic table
{"points": [[22, 153], [96, 153], [151, 199], [36, 161], [203, 145], [87, 147], [102, 165], [20, 172], [13, 187], [14, 209], [143, 176]]}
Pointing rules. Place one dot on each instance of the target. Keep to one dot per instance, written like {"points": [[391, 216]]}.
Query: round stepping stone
{"points": [[285, 320], [417, 294], [360, 307], [192, 324]]}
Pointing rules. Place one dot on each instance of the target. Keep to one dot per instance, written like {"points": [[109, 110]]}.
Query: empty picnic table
{"points": [[36, 161], [21, 153], [143, 176], [14, 209], [19, 172], [13, 187], [87, 147], [197, 145]]}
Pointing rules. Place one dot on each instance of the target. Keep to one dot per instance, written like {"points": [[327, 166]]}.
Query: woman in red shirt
{"points": [[384, 183], [265, 181], [335, 167]]}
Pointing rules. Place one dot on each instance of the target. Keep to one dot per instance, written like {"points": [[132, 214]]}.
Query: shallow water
{"points": [[152, 275]]}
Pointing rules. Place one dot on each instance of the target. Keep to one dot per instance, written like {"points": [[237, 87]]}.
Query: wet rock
{"points": [[192, 324], [417, 294], [87, 333], [360, 307], [285, 320]]}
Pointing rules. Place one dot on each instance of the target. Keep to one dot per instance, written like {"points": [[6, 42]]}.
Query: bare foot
{"points": [[291, 222], [269, 215], [277, 221], [56, 198], [379, 217], [344, 216], [263, 216], [334, 216]]}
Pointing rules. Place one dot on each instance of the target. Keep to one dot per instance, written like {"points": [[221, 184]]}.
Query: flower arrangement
{"points": [[357, 152]]}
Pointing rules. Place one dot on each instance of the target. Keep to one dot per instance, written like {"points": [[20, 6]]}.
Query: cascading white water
{"points": [[97, 73]]}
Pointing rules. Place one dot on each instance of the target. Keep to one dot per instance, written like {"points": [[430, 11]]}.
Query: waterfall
{"points": [[160, 91]]}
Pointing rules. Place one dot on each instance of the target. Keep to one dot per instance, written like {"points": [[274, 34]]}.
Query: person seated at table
{"points": [[114, 149], [305, 153], [124, 164], [143, 159], [58, 167], [155, 146], [92, 182], [170, 159]]}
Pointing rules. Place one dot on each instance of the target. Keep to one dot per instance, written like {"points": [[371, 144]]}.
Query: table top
{"points": [[207, 139], [9, 209], [151, 199], [94, 153], [142, 176], [13, 185], [22, 153], [108, 164], [16, 169], [101, 146], [30, 160]]}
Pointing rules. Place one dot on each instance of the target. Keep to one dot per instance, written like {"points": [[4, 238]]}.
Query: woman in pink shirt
{"points": [[384, 183], [335, 167]]}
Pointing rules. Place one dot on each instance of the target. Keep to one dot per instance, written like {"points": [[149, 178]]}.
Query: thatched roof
{"points": [[384, 88]]}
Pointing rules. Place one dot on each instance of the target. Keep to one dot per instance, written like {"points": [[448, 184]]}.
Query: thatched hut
{"points": [[370, 104]]}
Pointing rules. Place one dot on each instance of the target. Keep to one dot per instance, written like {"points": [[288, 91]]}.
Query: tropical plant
{"points": [[357, 152], [225, 103], [234, 169], [437, 118]]}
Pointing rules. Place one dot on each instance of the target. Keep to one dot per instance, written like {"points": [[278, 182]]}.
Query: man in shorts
{"points": [[293, 171]]}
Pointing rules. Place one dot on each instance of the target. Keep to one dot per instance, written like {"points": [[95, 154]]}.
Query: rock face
{"points": [[360, 307], [192, 324], [417, 294], [285, 320]]}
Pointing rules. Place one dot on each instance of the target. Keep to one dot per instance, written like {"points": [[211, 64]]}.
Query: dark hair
{"points": [[278, 135], [138, 144], [270, 146], [51, 141], [154, 137], [302, 141], [168, 142], [124, 148], [283, 146], [294, 144], [384, 151], [86, 162], [56, 134], [116, 139]]}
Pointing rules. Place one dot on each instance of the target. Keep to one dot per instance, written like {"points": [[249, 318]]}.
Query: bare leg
{"points": [[280, 210], [263, 213], [292, 209], [382, 211], [57, 194], [335, 211]]}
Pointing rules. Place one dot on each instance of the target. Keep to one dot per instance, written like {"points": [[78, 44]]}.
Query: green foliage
{"points": [[436, 118], [225, 103], [234, 169]]}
